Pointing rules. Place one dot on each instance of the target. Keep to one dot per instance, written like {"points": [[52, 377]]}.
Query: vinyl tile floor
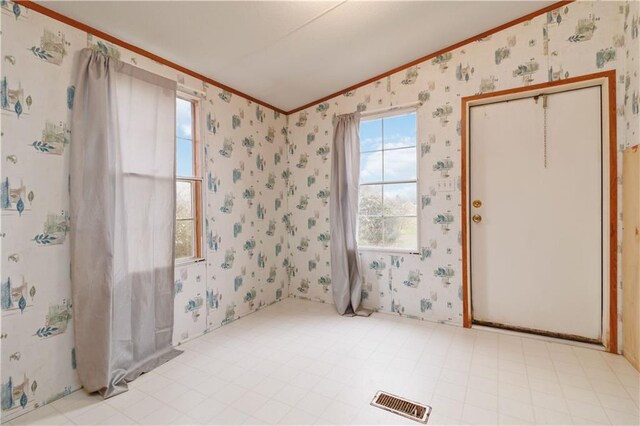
{"points": [[299, 363]]}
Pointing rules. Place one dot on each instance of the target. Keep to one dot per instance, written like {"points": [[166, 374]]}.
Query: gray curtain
{"points": [[345, 175], [122, 187]]}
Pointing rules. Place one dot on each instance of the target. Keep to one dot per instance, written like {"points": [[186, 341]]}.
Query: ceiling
{"points": [[290, 53]]}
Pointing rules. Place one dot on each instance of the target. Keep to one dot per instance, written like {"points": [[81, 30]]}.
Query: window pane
{"points": [[370, 231], [183, 119], [400, 200], [400, 164], [184, 238], [184, 200], [370, 200], [184, 157], [371, 167], [371, 135], [401, 232], [400, 131]]}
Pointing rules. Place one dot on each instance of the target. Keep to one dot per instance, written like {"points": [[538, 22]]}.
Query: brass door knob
{"points": [[476, 218], [477, 204]]}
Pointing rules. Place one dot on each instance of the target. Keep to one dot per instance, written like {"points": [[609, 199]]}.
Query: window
{"points": [[387, 213], [188, 181]]}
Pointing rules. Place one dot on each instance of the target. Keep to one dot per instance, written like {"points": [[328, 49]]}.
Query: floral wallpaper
{"points": [[631, 53], [245, 159], [246, 242], [190, 307], [266, 180], [581, 38], [38, 357]]}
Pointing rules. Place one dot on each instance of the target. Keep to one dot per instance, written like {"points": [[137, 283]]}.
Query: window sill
{"points": [[189, 261], [388, 250]]}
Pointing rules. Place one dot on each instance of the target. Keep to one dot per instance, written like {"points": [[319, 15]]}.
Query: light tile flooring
{"points": [[298, 362]]}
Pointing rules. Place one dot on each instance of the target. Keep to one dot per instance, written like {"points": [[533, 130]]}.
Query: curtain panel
{"points": [[122, 187], [346, 278]]}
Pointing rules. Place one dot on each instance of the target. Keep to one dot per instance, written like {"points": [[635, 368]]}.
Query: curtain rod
{"points": [[190, 90], [391, 108]]}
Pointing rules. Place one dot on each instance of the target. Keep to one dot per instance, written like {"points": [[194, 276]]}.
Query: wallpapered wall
{"points": [[582, 38], [245, 158], [266, 213], [631, 112]]}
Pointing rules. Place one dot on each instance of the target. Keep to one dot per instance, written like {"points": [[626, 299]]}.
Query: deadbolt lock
{"points": [[476, 218], [476, 203]]}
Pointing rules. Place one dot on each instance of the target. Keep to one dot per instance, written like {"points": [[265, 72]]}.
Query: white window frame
{"points": [[197, 181], [387, 114]]}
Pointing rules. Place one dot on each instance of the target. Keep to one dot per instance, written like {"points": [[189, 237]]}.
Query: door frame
{"points": [[607, 81]]}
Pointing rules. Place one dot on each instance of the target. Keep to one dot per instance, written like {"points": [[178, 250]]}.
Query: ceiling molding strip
{"points": [[111, 39], [79, 25], [434, 54]]}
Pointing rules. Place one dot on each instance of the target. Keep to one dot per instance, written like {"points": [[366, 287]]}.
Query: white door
{"points": [[536, 253]]}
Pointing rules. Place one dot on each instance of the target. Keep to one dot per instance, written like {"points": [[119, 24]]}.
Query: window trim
{"points": [[197, 179], [393, 112]]}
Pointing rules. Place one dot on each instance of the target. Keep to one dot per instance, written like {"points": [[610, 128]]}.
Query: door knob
{"points": [[477, 204], [476, 218]]}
